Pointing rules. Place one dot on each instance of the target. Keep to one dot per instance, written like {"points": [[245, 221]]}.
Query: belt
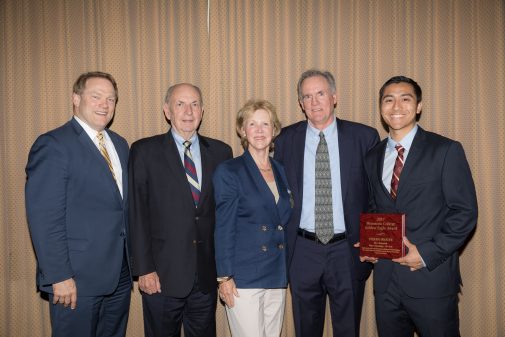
{"points": [[312, 236]]}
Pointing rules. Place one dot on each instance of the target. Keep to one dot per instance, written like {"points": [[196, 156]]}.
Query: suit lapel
{"points": [[206, 169], [379, 160], [344, 148], [90, 147], [175, 167], [413, 158], [261, 185], [86, 141], [284, 205], [299, 146], [123, 160]]}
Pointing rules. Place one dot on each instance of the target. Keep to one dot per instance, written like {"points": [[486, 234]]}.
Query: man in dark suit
{"points": [[172, 218], [320, 267], [76, 191], [426, 177]]}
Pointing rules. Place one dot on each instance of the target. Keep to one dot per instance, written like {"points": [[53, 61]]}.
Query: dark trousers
{"points": [[318, 271], [399, 315], [100, 316], [164, 315]]}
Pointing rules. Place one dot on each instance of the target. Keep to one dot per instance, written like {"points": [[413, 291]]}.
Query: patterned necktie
{"points": [[189, 166], [103, 151], [397, 170], [323, 211]]}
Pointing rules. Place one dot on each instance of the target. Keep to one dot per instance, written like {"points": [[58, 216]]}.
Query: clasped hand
{"points": [[412, 260], [65, 292], [150, 283], [227, 291]]}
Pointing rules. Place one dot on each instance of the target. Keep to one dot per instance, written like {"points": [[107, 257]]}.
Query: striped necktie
{"points": [[189, 166], [397, 170], [103, 151]]}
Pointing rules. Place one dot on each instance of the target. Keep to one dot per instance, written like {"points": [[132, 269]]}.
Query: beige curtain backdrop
{"points": [[236, 50]]}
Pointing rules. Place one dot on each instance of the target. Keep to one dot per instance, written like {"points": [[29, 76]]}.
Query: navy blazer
{"points": [[437, 194], [250, 239], [354, 141], [77, 218]]}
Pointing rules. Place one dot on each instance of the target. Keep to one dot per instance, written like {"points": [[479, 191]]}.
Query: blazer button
{"points": [[264, 248], [197, 218], [280, 246], [279, 227], [264, 228], [194, 242]]}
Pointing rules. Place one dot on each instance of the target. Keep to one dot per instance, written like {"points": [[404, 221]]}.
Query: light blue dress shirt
{"points": [[307, 220], [195, 151], [391, 154]]}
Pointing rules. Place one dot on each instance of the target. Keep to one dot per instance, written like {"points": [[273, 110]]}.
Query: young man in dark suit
{"points": [[172, 218], [427, 177], [322, 265], [76, 192]]}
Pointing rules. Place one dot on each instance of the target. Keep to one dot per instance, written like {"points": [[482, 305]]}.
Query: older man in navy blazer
{"points": [[435, 190], [76, 192], [332, 269]]}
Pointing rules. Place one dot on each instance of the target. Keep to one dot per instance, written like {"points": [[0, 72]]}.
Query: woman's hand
{"points": [[227, 291]]}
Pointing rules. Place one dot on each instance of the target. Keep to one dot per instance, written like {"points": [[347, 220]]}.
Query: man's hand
{"points": [[366, 258], [227, 290], [65, 292], [150, 283], [413, 259]]}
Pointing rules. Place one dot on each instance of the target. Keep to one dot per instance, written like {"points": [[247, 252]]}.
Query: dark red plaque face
{"points": [[381, 235]]}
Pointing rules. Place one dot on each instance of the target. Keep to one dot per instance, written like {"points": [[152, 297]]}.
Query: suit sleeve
{"points": [[460, 198], [227, 199], [140, 234], [45, 196]]}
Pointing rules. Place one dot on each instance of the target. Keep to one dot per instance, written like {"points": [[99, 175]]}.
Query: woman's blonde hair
{"points": [[248, 109]]}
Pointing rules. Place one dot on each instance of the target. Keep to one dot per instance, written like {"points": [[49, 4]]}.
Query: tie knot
{"points": [[187, 144], [321, 135], [99, 136], [400, 149]]}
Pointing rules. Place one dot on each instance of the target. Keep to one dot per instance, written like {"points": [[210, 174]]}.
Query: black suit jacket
{"points": [[354, 141], [437, 194], [168, 234]]}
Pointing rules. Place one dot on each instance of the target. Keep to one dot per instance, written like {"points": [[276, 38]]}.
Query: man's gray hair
{"points": [[315, 72], [173, 87]]}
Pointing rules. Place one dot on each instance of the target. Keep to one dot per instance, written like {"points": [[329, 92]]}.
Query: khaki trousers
{"points": [[257, 313]]}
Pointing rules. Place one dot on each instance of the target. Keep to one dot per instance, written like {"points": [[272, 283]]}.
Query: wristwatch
{"points": [[223, 279]]}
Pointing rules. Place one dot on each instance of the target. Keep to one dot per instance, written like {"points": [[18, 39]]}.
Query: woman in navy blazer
{"points": [[253, 204]]}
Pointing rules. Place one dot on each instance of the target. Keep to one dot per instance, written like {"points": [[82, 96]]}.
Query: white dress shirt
{"points": [[111, 150]]}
